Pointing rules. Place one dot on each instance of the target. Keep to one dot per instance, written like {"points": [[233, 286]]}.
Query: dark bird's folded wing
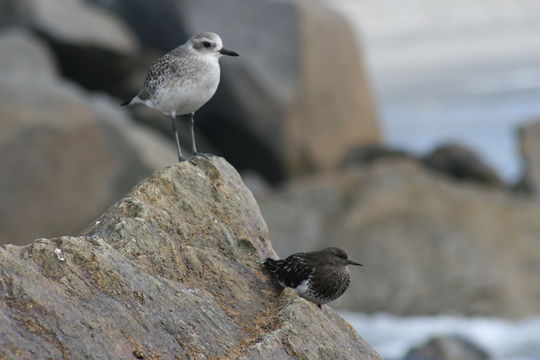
{"points": [[293, 270]]}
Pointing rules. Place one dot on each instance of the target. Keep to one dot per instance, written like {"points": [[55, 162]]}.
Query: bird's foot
{"points": [[181, 157], [204, 155]]}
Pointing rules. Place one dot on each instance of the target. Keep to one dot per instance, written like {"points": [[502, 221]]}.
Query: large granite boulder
{"points": [[428, 244], [69, 21], [91, 46], [171, 271], [529, 141], [447, 348], [370, 153], [302, 214], [66, 154], [299, 69], [461, 163]]}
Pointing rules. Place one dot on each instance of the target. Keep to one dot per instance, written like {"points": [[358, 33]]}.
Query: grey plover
{"points": [[183, 80], [319, 276]]}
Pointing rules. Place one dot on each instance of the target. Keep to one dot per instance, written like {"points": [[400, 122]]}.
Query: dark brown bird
{"points": [[318, 276]]}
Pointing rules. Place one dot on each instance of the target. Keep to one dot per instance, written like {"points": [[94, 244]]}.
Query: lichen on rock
{"points": [[171, 271]]}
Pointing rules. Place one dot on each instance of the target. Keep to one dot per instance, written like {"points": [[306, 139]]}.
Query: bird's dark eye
{"points": [[206, 44]]}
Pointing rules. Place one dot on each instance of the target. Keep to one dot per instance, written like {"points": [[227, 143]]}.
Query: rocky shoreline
{"points": [[430, 243], [173, 267], [171, 271]]}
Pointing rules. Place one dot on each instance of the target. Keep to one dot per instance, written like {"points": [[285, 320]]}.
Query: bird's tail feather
{"points": [[271, 264], [126, 103]]}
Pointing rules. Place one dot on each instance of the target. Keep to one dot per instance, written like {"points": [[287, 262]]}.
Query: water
{"points": [[393, 336], [487, 124], [465, 71]]}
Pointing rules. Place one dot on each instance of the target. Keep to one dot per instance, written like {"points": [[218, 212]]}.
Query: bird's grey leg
{"points": [[193, 145], [191, 126], [176, 131]]}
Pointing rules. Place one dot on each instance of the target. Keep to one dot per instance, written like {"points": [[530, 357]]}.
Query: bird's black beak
{"points": [[350, 262], [224, 51]]}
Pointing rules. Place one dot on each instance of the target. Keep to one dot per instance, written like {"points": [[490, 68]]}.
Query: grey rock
{"points": [[302, 214], [172, 270], [433, 245], [367, 154], [25, 58], [65, 153], [447, 348], [461, 164], [91, 46], [529, 141], [69, 22], [440, 247], [454, 161], [255, 182]]}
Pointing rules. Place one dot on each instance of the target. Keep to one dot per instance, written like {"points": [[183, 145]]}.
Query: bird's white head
{"points": [[209, 43]]}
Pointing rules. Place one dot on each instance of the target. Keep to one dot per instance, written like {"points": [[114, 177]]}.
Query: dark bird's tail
{"points": [[125, 103], [271, 264]]}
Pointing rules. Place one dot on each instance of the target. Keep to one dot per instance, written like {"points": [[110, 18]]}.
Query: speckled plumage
{"points": [[319, 276], [183, 80]]}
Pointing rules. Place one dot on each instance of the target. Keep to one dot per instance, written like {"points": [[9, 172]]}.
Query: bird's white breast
{"points": [[189, 91], [303, 287]]}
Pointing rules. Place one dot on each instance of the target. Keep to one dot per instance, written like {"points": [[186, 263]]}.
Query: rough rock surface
{"points": [[65, 154], [529, 141], [367, 154], [434, 245], [302, 214], [171, 271], [447, 348], [91, 46], [461, 164], [335, 104], [70, 22], [452, 160], [276, 89]]}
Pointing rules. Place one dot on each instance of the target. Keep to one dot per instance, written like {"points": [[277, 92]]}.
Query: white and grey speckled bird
{"points": [[318, 276], [183, 80]]}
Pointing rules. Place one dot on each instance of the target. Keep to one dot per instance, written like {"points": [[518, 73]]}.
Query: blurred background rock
{"points": [[71, 151], [403, 131]]}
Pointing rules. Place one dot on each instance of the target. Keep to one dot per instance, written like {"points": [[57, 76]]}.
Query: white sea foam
{"points": [[393, 336]]}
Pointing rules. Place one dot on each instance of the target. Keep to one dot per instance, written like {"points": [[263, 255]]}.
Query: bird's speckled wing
{"points": [[164, 69], [293, 270]]}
